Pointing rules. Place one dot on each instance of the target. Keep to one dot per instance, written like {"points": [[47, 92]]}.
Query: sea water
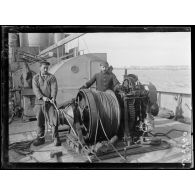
{"points": [[178, 81]]}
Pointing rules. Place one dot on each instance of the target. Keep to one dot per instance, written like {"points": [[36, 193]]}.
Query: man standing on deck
{"points": [[104, 80], [45, 89]]}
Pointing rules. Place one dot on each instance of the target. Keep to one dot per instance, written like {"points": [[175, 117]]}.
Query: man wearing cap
{"points": [[104, 80], [45, 89]]}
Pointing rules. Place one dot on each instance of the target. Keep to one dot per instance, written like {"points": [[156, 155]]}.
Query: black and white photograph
{"points": [[100, 95]]}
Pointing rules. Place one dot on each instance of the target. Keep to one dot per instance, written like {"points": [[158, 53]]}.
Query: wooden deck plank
{"points": [[173, 155]]}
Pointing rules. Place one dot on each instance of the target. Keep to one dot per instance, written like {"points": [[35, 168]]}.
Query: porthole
{"points": [[75, 69]]}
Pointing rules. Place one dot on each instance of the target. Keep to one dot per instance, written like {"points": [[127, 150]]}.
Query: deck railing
{"points": [[178, 96]]}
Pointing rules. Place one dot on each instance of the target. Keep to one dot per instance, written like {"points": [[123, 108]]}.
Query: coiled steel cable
{"points": [[118, 153], [107, 105], [104, 103], [109, 111]]}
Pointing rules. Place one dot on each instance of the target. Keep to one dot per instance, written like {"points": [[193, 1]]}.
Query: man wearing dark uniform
{"points": [[104, 80], [45, 89]]}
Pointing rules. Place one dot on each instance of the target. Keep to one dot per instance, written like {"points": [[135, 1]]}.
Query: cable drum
{"points": [[95, 104]]}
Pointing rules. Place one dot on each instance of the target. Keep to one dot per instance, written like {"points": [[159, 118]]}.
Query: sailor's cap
{"points": [[105, 64], [45, 63]]}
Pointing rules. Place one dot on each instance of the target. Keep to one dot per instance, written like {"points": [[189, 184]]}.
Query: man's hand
{"points": [[118, 88], [46, 99], [52, 100]]}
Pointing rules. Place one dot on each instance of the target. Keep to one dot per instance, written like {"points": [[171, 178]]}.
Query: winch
{"points": [[97, 116], [134, 100]]}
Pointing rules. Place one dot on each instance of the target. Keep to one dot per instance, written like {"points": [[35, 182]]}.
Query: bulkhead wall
{"points": [[71, 74]]}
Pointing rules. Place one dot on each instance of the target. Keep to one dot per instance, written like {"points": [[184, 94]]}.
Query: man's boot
{"points": [[39, 141], [57, 141]]}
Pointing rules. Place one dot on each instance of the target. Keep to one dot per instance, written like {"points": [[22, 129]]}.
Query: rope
{"points": [[22, 148], [83, 147], [189, 107], [61, 113], [96, 132], [166, 134], [109, 110], [111, 143]]}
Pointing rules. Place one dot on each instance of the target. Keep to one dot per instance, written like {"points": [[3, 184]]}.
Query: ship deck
{"points": [[178, 134]]}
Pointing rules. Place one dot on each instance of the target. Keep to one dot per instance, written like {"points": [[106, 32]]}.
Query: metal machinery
{"points": [[134, 100], [26, 98], [100, 115], [107, 116]]}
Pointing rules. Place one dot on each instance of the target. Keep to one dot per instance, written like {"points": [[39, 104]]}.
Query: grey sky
{"points": [[140, 49]]}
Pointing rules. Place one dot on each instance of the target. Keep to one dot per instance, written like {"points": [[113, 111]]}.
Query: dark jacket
{"points": [[44, 87], [104, 81]]}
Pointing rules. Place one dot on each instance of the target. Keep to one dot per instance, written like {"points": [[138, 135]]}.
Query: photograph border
{"points": [[5, 164]]}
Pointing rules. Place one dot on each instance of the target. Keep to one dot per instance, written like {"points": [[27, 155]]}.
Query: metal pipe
{"points": [[174, 93], [62, 42]]}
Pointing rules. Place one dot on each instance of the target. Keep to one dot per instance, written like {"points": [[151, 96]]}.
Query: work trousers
{"points": [[46, 113]]}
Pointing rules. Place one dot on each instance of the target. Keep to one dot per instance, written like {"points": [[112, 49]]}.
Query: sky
{"points": [[140, 49]]}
